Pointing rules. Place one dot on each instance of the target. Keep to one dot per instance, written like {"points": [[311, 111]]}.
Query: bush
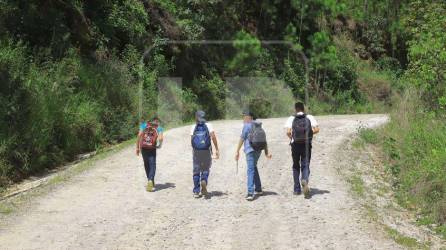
{"points": [[415, 144], [59, 109]]}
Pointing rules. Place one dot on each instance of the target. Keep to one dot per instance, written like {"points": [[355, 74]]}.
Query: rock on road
{"points": [[107, 207]]}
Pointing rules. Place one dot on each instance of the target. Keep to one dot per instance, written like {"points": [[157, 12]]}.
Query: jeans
{"points": [[198, 177], [252, 172], [149, 157], [202, 161], [301, 163]]}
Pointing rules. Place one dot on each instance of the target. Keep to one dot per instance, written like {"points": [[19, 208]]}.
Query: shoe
{"points": [[306, 189], [258, 192], [297, 192], [197, 195], [149, 187], [250, 197], [204, 190]]}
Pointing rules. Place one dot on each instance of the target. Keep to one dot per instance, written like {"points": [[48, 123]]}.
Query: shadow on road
{"points": [[316, 191], [215, 194], [162, 186], [267, 193]]}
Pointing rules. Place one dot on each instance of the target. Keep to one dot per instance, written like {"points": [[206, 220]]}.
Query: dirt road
{"points": [[107, 207]]}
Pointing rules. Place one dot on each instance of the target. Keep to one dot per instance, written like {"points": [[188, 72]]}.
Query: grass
{"points": [[5, 209], [402, 240], [365, 136], [357, 184]]}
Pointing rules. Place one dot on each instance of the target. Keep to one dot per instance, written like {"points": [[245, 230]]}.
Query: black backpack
{"points": [[302, 130], [257, 137]]}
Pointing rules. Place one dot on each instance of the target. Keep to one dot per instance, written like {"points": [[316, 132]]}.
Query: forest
{"points": [[71, 73]]}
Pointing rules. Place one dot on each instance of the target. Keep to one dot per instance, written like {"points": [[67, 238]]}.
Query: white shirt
{"points": [[209, 125], [289, 122]]}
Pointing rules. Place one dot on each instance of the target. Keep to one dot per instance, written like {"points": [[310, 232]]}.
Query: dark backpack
{"points": [[257, 137], [149, 137], [302, 130], [201, 140]]}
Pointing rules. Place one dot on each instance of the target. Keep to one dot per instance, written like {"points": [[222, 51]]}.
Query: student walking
{"points": [[202, 133], [253, 138], [300, 129], [150, 138]]}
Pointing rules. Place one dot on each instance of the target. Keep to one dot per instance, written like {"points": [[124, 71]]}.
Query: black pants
{"points": [[149, 157], [301, 163]]}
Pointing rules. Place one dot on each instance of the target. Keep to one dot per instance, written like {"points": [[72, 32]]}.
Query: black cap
{"points": [[200, 115]]}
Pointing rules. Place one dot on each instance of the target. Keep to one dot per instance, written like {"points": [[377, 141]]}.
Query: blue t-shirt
{"points": [[247, 146], [144, 126]]}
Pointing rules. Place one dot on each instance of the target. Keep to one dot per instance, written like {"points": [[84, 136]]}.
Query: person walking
{"points": [[150, 138], [202, 133], [253, 138], [300, 130]]}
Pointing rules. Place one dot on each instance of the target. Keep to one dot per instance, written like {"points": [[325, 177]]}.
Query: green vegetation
{"points": [[408, 242], [71, 70], [414, 141], [357, 184], [5, 209]]}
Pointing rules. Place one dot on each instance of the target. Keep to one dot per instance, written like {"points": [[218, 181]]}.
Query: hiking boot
{"points": [[258, 192], [197, 195], [250, 197], [306, 189], [204, 190], [149, 187]]}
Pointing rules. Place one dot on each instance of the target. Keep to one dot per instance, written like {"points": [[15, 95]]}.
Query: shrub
{"points": [[415, 145]]}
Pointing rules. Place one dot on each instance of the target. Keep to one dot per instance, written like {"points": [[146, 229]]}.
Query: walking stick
{"points": [[236, 168]]}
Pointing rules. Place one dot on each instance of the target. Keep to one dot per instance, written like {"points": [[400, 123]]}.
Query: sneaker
{"points": [[258, 192], [197, 195], [204, 190], [149, 187], [306, 188], [297, 192], [250, 197]]}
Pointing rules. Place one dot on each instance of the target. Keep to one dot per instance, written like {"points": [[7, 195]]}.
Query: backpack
{"points": [[149, 137], [201, 140], [257, 137], [302, 130]]}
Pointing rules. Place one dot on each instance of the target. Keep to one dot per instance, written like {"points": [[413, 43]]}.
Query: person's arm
{"points": [[239, 146], [214, 140], [288, 126], [289, 132], [314, 125], [160, 139], [138, 144], [267, 153]]}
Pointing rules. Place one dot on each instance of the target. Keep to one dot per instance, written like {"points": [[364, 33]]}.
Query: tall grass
{"points": [[53, 111], [415, 145]]}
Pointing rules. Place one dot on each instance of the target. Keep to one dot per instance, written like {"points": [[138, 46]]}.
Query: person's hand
{"points": [[137, 152], [237, 156], [269, 156], [217, 154]]}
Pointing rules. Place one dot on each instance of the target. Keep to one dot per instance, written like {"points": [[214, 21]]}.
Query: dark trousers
{"points": [[149, 157], [202, 161], [301, 163]]}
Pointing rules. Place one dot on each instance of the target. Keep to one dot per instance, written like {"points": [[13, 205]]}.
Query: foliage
{"points": [[77, 75], [413, 143], [427, 52]]}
